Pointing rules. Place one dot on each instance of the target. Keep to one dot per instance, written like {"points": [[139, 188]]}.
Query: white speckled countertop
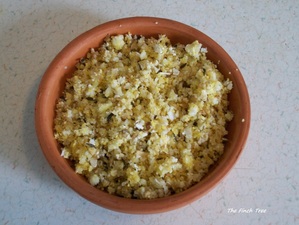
{"points": [[263, 39]]}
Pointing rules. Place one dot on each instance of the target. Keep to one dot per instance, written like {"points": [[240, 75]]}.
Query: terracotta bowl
{"points": [[53, 82]]}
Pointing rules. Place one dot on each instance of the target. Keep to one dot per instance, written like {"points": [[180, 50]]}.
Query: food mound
{"points": [[142, 118]]}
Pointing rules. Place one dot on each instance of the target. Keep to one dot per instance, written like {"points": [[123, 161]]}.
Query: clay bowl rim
{"points": [[61, 65]]}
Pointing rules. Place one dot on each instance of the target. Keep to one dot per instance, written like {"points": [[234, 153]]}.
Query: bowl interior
{"points": [[53, 83]]}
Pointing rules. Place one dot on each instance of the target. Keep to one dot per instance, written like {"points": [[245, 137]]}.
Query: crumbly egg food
{"points": [[142, 118]]}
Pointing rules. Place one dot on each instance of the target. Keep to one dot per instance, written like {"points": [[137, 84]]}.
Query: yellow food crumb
{"points": [[142, 118]]}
